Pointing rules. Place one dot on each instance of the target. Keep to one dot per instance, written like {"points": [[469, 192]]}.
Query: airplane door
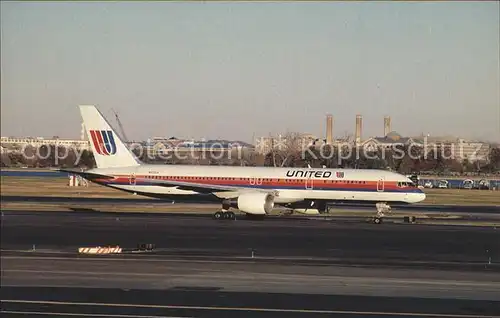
{"points": [[255, 181], [309, 184], [258, 181], [132, 179], [380, 185]]}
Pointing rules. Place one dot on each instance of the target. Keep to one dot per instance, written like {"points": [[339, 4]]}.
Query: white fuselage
{"points": [[291, 184]]}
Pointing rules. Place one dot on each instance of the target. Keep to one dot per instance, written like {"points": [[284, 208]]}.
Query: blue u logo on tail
{"points": [[103, 141]]}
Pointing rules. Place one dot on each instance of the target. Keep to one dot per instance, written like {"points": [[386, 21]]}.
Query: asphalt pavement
{"points": [[355, 242], [272, 268], [369, 207]]}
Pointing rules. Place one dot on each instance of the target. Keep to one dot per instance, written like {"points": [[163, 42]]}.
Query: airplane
{"points": [[255, 191]]}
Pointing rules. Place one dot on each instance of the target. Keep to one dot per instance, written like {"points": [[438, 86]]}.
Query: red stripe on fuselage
{"points": [[269, 182]]}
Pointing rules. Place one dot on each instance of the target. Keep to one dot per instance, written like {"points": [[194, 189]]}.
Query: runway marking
{"points": [[251, 309], [282, 277], [235, 259], [148, 258], [65, 314]]}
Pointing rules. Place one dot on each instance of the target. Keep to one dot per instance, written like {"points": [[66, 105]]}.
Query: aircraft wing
{"points": [[181, 185], [202, 187]]}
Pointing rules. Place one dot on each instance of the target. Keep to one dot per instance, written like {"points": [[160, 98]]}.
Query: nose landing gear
{"points": [[382, 209]]}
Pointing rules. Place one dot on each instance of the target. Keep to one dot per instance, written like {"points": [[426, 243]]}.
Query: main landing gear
{"points": [[224, 215], [382, 209]]}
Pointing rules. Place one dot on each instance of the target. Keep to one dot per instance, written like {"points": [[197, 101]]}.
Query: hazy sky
{"points": [[231, 70]]}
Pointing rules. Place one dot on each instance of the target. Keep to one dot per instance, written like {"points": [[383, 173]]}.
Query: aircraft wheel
{"points": [[218, 215], [377, 220], [230, 216]]}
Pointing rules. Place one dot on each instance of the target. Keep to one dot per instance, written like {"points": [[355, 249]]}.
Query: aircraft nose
{"points": [[415, 197], [420, 196]]}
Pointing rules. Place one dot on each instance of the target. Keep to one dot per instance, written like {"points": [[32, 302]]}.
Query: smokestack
{"points": [[359, 124], [329, 129], [387, 125]]}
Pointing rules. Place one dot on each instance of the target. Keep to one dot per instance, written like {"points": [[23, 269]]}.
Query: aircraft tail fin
{"points": [[108, 149]]}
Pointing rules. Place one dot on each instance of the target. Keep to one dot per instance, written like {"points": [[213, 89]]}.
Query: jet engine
{"points": [[255, 203]]}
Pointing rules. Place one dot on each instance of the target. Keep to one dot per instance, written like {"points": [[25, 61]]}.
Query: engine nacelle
{"points": [[255, 203]]}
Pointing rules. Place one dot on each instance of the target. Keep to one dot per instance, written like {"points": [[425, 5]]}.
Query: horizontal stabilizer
{"points": [[86, 175]]}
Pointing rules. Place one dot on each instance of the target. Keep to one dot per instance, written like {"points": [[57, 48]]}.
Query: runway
{"points": [[124, 201], [102, 302], [213, 289], [341, 242], [207, 268]]}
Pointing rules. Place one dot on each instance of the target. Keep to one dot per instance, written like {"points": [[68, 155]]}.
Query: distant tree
{"points": [[46, 156], [467, 166], [86, 159], [348, 156], [250, 158], [146, 155], [70, 160], [494, 159], [5, 160], [481, 166], [402, 161], [405, 165], [16, 159], [29, 155], [330, 158], [439, 159], [286, 151], [311, 157], [455, 166]]}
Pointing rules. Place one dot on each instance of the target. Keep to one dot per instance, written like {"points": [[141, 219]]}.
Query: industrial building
{"points": [[16, 143], [460, 149]]}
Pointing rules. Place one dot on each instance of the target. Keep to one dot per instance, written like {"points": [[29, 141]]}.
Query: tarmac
{"points": [[271, 268], [467, 209]]}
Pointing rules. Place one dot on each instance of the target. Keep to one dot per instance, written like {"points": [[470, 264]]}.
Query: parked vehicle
{"points": [[483, 184], [443, 184], [468, 184], [428, 185]]}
